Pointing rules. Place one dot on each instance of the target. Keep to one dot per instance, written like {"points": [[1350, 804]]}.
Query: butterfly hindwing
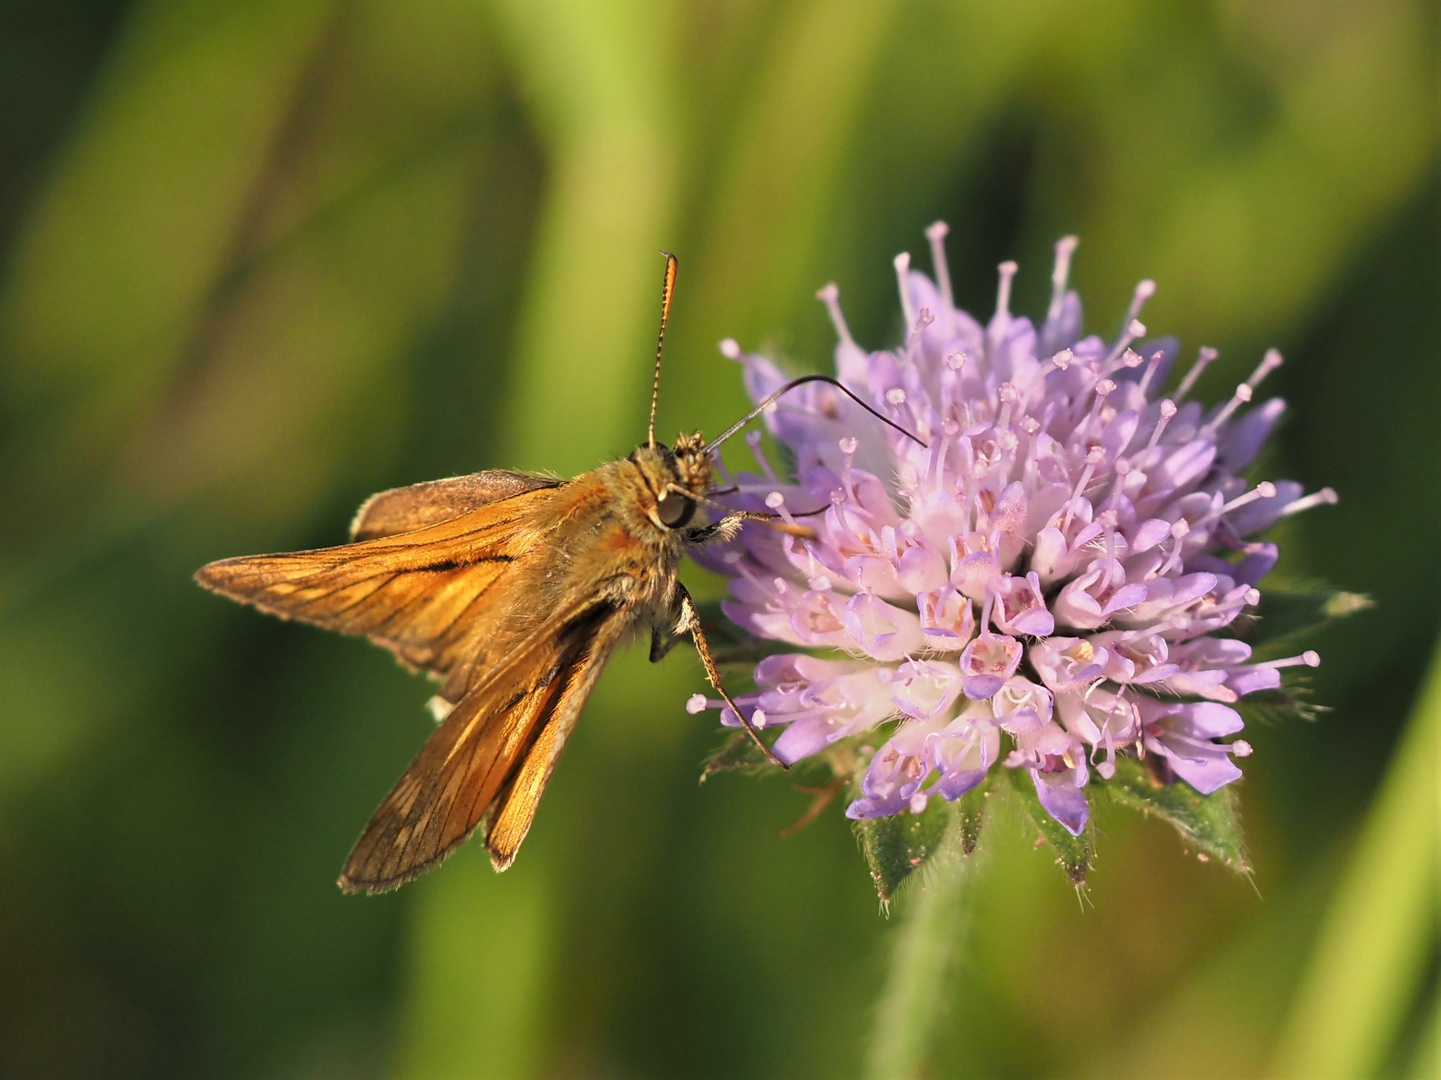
{"points": [[495, 748], [405, 509]]}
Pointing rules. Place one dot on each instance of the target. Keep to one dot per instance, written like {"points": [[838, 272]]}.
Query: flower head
{"points": [[1042, 579]]}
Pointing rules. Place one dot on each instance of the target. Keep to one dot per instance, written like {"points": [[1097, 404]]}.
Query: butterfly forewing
{"points": [[418, 593]]}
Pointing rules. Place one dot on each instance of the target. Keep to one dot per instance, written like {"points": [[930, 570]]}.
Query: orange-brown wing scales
{"points": [[406, 509], [516, 805], [488, 738], [410, 593]]}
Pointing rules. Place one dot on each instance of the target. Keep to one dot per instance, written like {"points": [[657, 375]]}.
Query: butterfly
{"points": [[512, 590]]}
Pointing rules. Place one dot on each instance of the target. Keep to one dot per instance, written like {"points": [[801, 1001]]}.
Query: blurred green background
{"points": [[263, 259]]}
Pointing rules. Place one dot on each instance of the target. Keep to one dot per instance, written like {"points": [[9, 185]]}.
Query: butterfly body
{"points": [[512, 590]]}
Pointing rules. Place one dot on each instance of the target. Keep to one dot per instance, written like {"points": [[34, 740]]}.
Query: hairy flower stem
{"points": [[933, 921]]}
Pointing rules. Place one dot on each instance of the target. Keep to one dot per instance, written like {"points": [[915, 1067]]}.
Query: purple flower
{"points": [[1044, 585]]}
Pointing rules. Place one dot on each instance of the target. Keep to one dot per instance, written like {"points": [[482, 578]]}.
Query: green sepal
{"points": [[1073, 853], [1286, 702], [970, 815], [1209, 823], [739, 751], [1288, 609], [896, 847]]}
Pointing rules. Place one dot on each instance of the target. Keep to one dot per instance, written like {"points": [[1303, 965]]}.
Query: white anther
{"points": [[1309, 658], [1007, 270], [758, 719], [1168, 410], [1324, 497], [775, 500], [1239, 398], [695, 704], [895, 396], [1269, 363], [753, 440], [1264, 490], [903, 269], [1241, 748], [1122, 469], [1144, 291], [1203, 361], [955, 360], [1063, 359], [936, 234], [730, 348], [1151, 367], [1133, 330], [1060, 271], [1094, 456], [848, 444], [830, 295], [918, 802]]}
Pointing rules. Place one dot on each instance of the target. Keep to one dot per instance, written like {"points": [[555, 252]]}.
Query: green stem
{"points": [[932, 923]]}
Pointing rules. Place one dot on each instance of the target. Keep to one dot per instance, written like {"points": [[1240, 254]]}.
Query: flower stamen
{"points": [[1203, 361], [1324, 497], [903, 268], [830, 295], [936, 234]]}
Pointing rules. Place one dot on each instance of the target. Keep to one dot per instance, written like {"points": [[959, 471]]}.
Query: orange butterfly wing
{"points": [[405, 509], [419, 593], [429, 579], [495, 752]]}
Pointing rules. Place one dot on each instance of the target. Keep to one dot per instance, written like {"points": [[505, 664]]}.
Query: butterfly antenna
{"points": [[770, 399], [667, 289]]}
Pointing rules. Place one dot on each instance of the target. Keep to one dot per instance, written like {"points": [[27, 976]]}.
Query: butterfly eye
{"points": [[675, 510]]}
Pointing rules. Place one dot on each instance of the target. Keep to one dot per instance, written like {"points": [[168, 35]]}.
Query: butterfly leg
{"points": [[689, 623]]}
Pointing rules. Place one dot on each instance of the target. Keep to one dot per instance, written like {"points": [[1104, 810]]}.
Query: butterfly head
{"points": [[677, 477]]}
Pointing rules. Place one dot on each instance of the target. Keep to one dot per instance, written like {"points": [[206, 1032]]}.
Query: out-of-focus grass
{"points": [[276, 256], [1379, 935]]}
